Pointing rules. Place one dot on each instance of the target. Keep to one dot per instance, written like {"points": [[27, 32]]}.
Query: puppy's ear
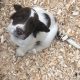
{"points": [[40, 27], [35, 26], [17, 7]]}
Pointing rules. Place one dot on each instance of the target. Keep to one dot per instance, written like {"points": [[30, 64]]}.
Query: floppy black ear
{"points": [[35, 26], [40, 27], [17, 7]]}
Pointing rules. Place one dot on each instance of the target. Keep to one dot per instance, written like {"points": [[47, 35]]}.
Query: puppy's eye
{"points": [[19, 31]]}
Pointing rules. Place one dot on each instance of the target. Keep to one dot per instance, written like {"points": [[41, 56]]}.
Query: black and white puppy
{"points": [[33, 29]]}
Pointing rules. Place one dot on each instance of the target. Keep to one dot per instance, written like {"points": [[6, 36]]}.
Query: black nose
{"points": [[19, 31]]}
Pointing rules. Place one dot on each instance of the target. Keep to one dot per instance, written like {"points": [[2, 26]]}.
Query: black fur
{"points": [[21, 14], [35, 26], [17, 7], [40, 27], [38, 42]]}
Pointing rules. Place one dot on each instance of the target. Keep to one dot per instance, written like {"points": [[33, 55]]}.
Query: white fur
{"points": [[40, 12], [12, 27], [32, 13], [28, 45]]}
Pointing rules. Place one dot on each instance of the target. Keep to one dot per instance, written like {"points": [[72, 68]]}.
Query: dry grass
{"points": [[59, 62]]}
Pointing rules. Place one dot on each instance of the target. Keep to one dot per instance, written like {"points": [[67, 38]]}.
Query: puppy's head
{"points": [[25, 21]]}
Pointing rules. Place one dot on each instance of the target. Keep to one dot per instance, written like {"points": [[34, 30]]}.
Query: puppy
{"points": [[32, 29]]}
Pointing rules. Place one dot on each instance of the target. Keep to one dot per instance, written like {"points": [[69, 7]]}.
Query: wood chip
{"points": [[78, 64], [59, 12], [35, 1], [2, 39], [75, 13]]}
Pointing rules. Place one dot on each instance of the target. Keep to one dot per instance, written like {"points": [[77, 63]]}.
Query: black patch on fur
{"points": [[21, 14], [30, 26], [35, 26], [40, 27], [38, 42], [48, 20]]}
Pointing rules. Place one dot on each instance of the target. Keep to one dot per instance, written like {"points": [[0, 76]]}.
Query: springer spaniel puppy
{"points": [[33, 29]]}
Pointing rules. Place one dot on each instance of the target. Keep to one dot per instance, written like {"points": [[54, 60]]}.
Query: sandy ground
{"points": [[60, 61]]}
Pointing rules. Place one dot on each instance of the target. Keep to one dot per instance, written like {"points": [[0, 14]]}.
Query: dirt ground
{"points": [[60, 61]]}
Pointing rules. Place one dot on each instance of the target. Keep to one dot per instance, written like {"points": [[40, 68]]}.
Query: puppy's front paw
{"points": [[19, 52]]}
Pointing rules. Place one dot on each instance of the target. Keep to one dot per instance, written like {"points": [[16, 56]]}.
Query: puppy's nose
{"points": [[19, 31]]}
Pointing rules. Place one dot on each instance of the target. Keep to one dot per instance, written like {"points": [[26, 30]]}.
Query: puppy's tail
{"points": [[64, 37]]}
